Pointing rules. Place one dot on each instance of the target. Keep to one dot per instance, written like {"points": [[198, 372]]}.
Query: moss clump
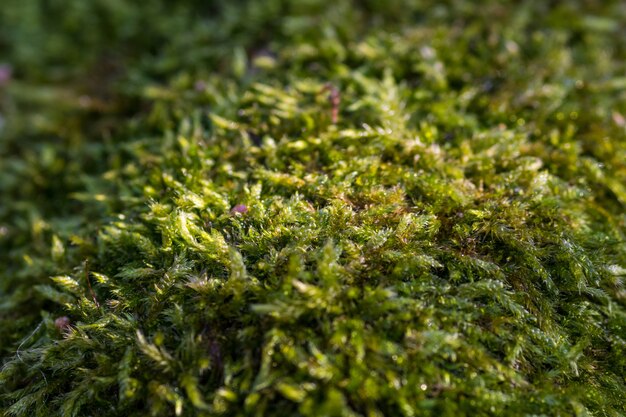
{"points": [[320, 208]]}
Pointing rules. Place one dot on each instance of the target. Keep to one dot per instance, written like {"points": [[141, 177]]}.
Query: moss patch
{"points": [[312, 208]]}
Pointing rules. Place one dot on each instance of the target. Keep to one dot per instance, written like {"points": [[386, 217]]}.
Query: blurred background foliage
{"points": [[465, 213]]}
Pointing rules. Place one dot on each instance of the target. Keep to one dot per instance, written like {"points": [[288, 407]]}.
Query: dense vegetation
{"points": [[312, 208]]}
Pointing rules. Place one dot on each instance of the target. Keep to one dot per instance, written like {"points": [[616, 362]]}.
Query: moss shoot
{"points": [[312, 208]]}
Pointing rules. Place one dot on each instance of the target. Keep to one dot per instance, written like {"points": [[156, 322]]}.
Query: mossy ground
{"points": [[312, 208]]}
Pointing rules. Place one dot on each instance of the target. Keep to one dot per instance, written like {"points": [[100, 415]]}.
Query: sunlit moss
{"points": [[320, 208]]}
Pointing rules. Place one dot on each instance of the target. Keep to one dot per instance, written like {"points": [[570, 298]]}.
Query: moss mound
{"points": [[312, 208]]}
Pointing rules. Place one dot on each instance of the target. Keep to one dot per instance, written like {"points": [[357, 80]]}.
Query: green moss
{"points": [[313, 208]]}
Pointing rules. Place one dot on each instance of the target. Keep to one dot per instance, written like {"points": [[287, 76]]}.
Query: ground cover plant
{"points": [[312, 208]]}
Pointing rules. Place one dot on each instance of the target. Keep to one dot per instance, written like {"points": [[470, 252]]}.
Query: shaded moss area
{"points": [[312, 208]]}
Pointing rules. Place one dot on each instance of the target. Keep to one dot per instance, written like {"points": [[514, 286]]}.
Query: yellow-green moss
{"points": [[312, 208]]}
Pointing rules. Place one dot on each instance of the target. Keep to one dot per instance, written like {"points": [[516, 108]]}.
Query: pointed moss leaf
{"points": [[52, 294], [190, 384], [158, 355], [617, 270], [68, 284], [58, 249], [291, 391]]}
